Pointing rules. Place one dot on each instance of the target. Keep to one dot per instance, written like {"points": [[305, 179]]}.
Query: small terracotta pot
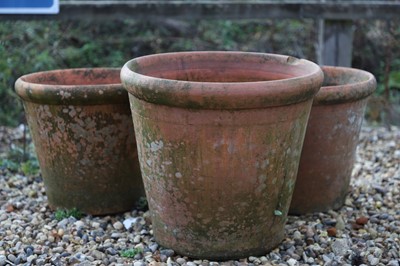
{"points": [[81, 126], [219, 136], [331, 140]]}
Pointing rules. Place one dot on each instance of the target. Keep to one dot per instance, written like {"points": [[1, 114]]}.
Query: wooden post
{"points": [[337, 38]]}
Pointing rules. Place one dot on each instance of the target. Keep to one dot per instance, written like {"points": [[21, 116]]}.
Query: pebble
{"points": [[374, 261], [340, 225], [167, 252], [11, 258], [128, 222], [140, 246], [40, 262], [180, 261], [118, 225], [111, 251], [373, 232], [95, 225], [356, 226], [378, 252], [368, 224], [31, 258], [3, 217], [3, 260], [163, 257], [116, 235], [331, 231], [169, 262], [137, 239], [98, 255], [292, 262], [58, 249], [297, 235], [153, 247], [78, 224], [362, 220], [340, 247], [252, 258]]}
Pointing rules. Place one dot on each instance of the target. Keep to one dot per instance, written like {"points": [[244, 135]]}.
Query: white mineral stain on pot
{"points": [[231, 148], [156, 145], [178, 175], [60, 124], [218, 144], [337, 127], [47, 111], [264, 164], [351, 116], [65, 95], [260, 188], [72, 113], [352, 119]]}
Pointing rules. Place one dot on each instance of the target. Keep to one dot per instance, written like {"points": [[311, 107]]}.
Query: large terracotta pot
{"points": [[81, 126], [219, 137], [331, 140]]}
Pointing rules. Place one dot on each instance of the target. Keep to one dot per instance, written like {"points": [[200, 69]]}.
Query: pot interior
{"points": [[75, 77], [209, 67], [343, 76]]}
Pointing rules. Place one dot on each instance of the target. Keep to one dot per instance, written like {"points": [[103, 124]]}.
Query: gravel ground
{"points": [[365, 231]]}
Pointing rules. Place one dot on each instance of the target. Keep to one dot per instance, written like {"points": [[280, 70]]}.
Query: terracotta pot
{"points": [[81, 126], [331, 140], [219, 136]]}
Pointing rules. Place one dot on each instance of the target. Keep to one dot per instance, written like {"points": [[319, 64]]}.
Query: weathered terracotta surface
{"points": [[331, 140], [219, 137], [82, 129]]}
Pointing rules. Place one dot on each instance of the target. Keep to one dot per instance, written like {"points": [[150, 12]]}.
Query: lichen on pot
{"points": [[82, 131], [219, 137]]}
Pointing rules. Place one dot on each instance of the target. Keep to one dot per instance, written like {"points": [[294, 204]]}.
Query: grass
{"points": [[62, 214], [130, 253]]}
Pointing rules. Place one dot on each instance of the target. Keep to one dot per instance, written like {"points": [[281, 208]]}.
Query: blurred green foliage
{"points": [[31, 46], [19, 160], [377, 49]]}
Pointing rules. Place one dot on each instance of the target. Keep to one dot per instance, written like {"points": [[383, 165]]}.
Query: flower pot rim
{"points": [[224, 95], [30, 88], [363, 85]]}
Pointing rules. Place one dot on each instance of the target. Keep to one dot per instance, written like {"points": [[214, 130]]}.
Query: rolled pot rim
{"points": [[223, 95], [30, 89], [355, 90]]}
